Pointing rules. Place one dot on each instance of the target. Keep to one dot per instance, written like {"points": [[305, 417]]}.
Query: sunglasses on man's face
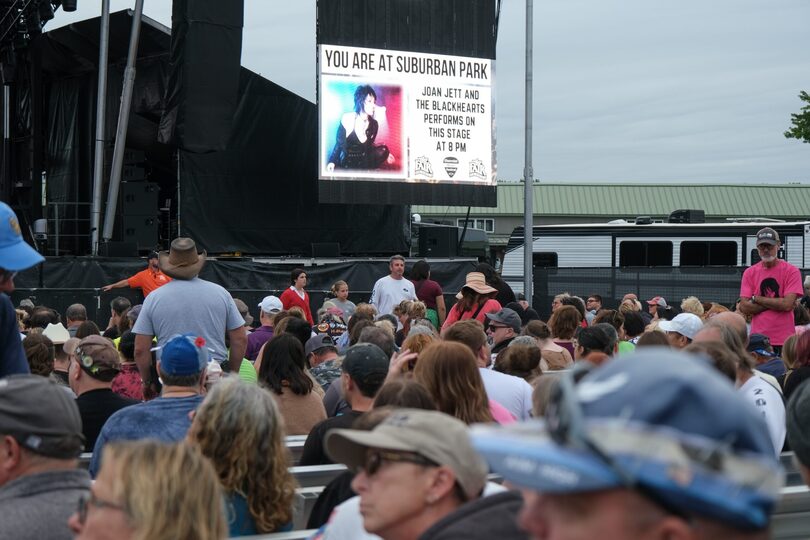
{"points": [[375, 459], [494, 327]]}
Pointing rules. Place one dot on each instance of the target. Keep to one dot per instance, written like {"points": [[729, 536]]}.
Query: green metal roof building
{"points": [[587, 203]]}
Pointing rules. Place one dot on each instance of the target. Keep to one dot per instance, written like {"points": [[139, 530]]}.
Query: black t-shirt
{"points": [[313, 453], [95, 407]]}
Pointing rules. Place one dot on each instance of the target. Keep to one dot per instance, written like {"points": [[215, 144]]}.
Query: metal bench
{"points": [[316, 475], [294, 535], [295, 444], [791, 518]]}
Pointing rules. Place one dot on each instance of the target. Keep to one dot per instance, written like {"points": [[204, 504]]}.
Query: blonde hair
{"points": [[691, 304], [365, 310], [22, 316], [629, 305], [402, 308], [169, 491], [296, 311], [450, 373], [417, 310], [387, 327], [418, 342], [337, 286], [789, 351], [714, 310], [239, 428]]}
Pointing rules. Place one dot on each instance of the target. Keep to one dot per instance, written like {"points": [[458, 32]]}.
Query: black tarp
{"points": [[61, 281], [257, 197], [205, 56], [455, 27], [260, 194]]}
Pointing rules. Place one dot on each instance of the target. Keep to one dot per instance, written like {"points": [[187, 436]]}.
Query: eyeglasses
{"points": [[566, 425], [375, 459], [494, 327], [84, 502]]}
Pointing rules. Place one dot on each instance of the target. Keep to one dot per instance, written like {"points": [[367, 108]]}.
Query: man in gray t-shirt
{"points": [[188, 304]]}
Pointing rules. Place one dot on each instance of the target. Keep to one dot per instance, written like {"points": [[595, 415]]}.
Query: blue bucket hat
{"points": [[184, 354], [15, 254], [663, 423]]}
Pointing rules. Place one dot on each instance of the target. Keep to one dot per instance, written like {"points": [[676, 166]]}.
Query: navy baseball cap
{"points": [[662, 422], [15, 254], [760, 343], [184, 354]]}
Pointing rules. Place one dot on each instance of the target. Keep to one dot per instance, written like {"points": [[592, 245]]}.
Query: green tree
{"points": [[801, 121]]}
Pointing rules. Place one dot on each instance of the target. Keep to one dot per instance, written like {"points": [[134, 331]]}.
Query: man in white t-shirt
{"points": [[392, 289], [767, 399]]}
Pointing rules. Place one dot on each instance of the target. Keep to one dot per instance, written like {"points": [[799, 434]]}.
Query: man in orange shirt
{"points": [[148, 280]]}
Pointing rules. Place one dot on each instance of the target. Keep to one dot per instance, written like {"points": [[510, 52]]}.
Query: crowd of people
{"points": [[643, 421]]}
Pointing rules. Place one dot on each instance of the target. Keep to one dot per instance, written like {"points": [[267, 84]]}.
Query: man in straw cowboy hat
{"points": [[188, 304]]}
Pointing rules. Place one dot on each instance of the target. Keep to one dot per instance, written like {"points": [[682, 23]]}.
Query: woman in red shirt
{"points": [[296, 295], [474, 301]]}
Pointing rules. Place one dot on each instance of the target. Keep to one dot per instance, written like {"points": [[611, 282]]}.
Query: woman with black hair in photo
{"points": [[357, 132]]}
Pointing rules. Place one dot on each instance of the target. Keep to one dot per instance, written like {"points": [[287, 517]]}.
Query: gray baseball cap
{"points": [[507, 316], [431, 434], [318, 342], [41, 416]]}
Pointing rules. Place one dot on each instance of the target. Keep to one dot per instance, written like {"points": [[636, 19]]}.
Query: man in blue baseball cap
{"points": [[654, 444], [181, 366], [15, 255]]}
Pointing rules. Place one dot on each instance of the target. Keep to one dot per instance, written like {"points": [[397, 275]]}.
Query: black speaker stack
{"points": [[138, 207]]}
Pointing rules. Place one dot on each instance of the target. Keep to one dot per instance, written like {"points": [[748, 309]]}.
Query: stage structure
{"points": [[406, 101], [251, 189]]}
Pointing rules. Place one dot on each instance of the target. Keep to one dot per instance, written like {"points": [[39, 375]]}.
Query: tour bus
{"points": [[646, 258]]}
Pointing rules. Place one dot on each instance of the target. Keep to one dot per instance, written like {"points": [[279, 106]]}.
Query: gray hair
{"points": [[76, 312], [731, 338], [524, 340], [240, 403]]}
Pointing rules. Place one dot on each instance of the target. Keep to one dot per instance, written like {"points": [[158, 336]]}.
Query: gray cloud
{"points": [[624, 90]]}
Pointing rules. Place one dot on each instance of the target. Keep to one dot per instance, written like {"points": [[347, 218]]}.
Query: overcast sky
{"points": [[624, 90]]}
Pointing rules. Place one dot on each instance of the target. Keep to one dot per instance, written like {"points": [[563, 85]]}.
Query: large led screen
{"points": [[399, 116]]}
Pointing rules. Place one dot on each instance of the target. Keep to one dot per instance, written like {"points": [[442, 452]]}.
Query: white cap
{"points": [[271, 304], [686, 324]]}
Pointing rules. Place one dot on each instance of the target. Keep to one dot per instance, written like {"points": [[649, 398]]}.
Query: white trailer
{"points": [[693, 249]]}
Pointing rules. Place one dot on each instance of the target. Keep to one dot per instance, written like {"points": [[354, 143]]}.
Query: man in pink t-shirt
{"points": [[769, 290]]}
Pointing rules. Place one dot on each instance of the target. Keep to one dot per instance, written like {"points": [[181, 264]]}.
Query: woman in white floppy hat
{"points": [[475, 300]]}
